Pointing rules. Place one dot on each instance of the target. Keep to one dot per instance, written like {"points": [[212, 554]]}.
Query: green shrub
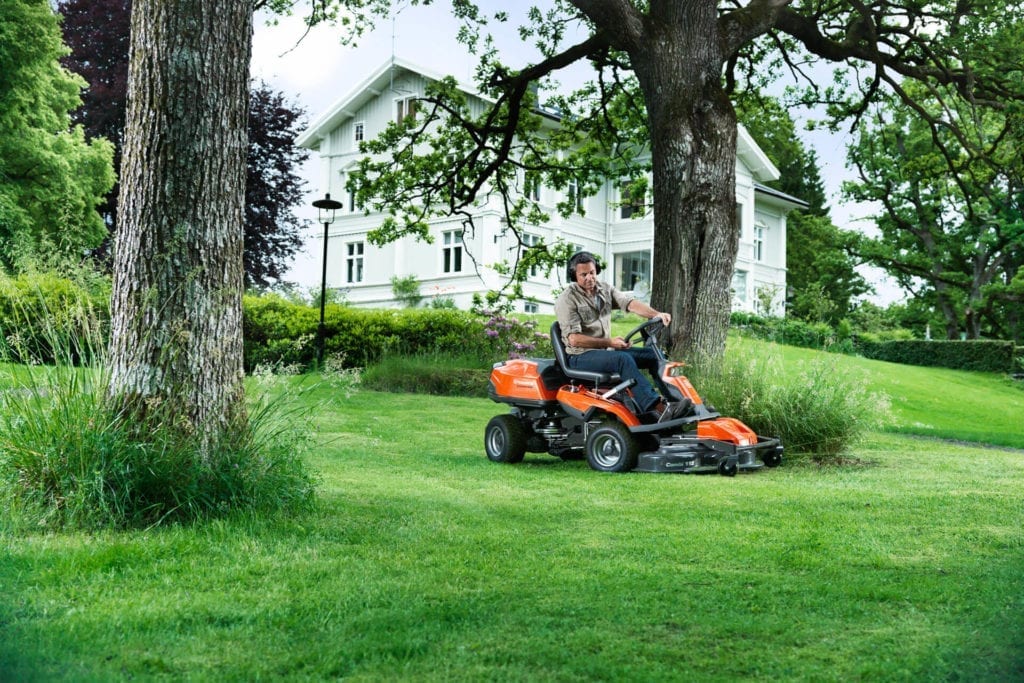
{"points": [[71, 459], [45, 317], [279, 332], [975, 355], [406, 290], [789, 331], [819, 411]]}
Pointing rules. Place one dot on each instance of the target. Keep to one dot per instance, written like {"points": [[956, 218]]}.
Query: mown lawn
{"points": [[424, 561]]}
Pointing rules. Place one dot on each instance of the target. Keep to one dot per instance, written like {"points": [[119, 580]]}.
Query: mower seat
{"points": [[595, 378]]}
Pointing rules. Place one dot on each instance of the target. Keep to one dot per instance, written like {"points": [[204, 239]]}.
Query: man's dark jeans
{"points": [[627, 364]]}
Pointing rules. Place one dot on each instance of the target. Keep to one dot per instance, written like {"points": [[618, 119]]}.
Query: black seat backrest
{"points": [[596, 378]]}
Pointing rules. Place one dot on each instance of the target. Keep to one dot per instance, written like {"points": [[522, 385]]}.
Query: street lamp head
{"points": [[326, 208]]}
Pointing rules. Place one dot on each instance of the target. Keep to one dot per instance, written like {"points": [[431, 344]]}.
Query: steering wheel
{"points": [[648, 330]]}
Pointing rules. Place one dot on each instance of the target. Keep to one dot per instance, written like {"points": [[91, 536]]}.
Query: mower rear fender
{"points": [[519, 380]]}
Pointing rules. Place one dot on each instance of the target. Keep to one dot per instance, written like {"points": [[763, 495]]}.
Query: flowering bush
{"points": [[514, 337]]}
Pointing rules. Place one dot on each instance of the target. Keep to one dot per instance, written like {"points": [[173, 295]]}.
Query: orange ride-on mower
{"points": [[574, 413]]}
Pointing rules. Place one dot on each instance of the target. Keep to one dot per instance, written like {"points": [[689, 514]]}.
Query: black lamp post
{"points": [[325, 213]]}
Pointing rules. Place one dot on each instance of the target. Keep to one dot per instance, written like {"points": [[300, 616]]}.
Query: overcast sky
{"points": [[314, 71]]}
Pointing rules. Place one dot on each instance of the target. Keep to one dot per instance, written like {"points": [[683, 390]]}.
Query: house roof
{"points": [[381, 80], [346, 107], [787, 200]]}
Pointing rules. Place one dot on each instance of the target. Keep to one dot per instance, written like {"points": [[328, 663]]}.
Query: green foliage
{"points": [[790, 331], [46, 317], [951, 223], [406, 290], [435, 374], [51, 178], [817, 409], [282, 332], [975, 355], [71, 459], [277, 331]]}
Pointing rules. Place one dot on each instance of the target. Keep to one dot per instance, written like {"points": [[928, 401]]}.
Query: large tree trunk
{"points": [[693, 152], [176, 328]]}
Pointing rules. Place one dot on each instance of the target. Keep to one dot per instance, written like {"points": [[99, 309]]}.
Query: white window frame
{"points": [[531, 187], [406, 107], [358, 132], [757, 252], [451, 251], [738, 285], [531, 240], [637, 254], [354, 252], [572, 193]]}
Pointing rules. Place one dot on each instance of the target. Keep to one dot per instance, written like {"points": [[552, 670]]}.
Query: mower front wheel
{"points": [[612, 448], [505, 439]]}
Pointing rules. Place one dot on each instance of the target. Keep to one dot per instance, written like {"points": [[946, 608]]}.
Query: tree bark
{"points": [[693, 153], [176, 308]]}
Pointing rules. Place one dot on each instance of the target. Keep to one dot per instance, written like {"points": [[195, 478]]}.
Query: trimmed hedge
{"points": [[280, 332], [788, 331], [43, 315], [979, 356]]}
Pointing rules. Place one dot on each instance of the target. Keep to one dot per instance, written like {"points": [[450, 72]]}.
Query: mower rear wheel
{"points": [[612, 448], [505, 439]]}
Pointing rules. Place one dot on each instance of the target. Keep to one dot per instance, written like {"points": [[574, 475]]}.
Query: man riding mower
{"points": [[572, 413]]}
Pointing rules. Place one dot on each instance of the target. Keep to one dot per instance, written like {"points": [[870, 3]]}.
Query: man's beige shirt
{"points": [[579, 313]]}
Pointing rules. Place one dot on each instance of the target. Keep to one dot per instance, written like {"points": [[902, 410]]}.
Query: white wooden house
{"points": [[456, 266]]}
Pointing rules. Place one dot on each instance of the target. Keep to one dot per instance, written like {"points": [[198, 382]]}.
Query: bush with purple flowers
{"points": [[514, 338]]}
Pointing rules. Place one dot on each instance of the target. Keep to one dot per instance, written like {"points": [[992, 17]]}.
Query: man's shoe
{"points": [[674, 411]]}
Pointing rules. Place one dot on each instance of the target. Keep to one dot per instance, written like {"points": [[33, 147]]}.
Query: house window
{"points": [[351, 203], [529, 242], [452, 251], [739, 221], [739, 287], [531, 186], [359, 131], [354, 262], [632, 196], [758, 253], [530, 307], [572, 194], [632, 267], [406, 109]]}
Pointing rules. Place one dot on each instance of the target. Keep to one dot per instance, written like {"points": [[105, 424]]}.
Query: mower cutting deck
{"points": [[573, 414]]}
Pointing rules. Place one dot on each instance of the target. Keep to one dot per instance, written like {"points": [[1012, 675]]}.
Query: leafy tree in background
{"points": [[820, 275], [666, 73], [272, 189], [952, 221], [51, 178], [97, 31]]}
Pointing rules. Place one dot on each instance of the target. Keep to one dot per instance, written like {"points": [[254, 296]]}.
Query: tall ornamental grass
{"points": [[72, 458], [818, 409]]}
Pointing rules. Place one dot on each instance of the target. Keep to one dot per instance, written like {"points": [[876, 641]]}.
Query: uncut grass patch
{"points": [[958, 405], [438, 374], [423, 560]]}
